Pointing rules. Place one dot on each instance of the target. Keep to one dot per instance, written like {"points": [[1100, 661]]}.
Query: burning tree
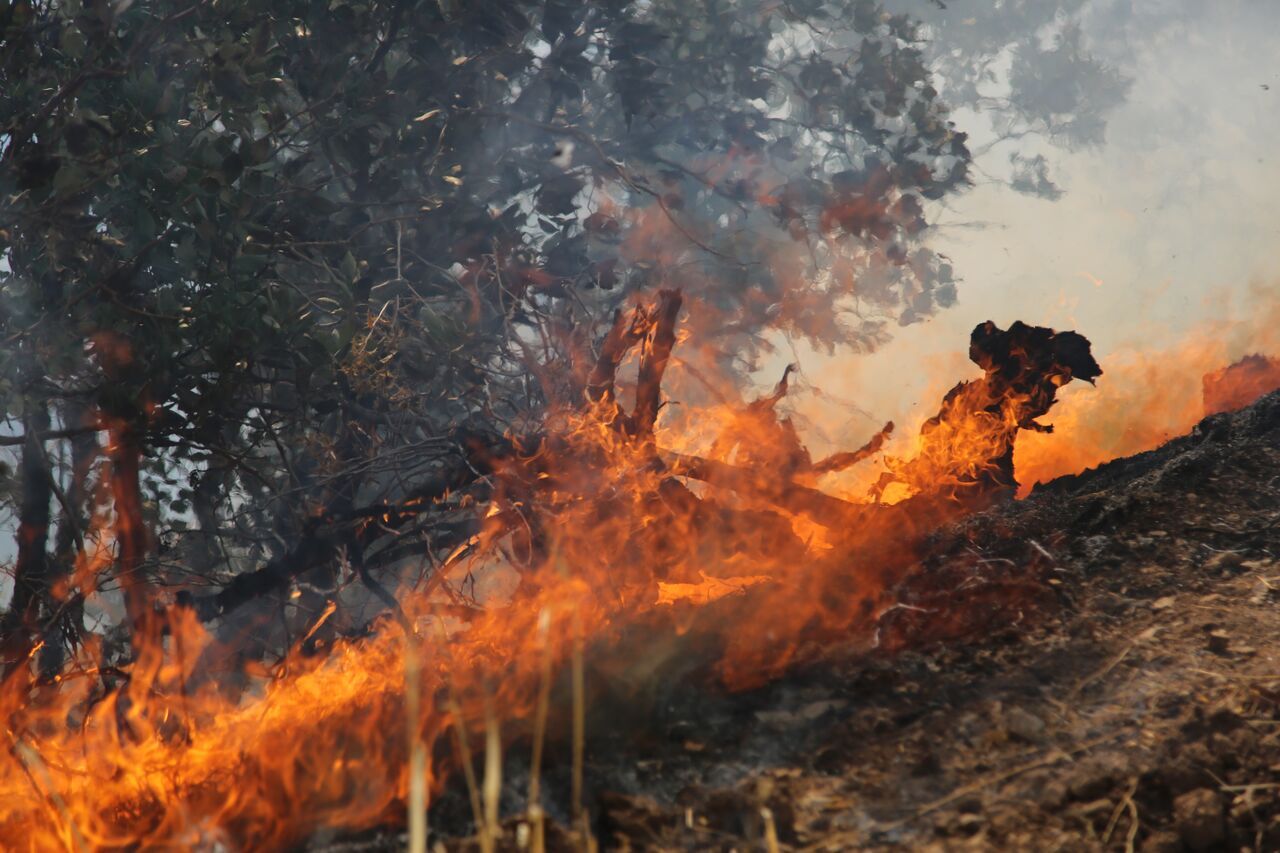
{"points": [[290, 250], [311, 311]]}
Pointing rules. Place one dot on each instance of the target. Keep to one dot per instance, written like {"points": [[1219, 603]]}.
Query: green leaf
{"points": [[350, 269], [71, 41]]}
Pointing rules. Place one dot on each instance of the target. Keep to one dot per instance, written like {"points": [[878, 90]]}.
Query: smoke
{"points": [[1163, 230]]}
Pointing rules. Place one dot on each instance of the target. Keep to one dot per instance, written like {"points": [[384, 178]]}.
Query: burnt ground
{"points": [[1096, 667]]}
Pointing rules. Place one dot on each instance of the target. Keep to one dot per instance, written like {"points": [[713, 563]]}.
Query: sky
{"points": [[1169, 223]]}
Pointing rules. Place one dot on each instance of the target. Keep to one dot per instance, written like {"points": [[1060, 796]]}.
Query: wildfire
{"points": [[602, 519], [1150, 396]]}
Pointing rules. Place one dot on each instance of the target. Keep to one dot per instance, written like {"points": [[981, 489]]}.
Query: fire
{"points": [[1239, 384], [709, 589], [601, 520], [1150, 396]]}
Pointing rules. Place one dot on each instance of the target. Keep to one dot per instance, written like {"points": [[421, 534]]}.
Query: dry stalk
{"points": [[539, 734], [454, 708], [492, 777], [1148, 634], [417, 750], [579, 729], [770, 830]]}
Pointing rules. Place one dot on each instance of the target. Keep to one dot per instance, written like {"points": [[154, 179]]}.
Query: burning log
{"points": [[967, 448]]}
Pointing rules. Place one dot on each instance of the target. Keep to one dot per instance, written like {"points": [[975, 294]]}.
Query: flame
{"points": [[1149, 396], [1239, 384], [598, 525]]}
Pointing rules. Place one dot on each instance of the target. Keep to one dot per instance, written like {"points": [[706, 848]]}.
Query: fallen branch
{"points": [[787, 494], [846, 459]]}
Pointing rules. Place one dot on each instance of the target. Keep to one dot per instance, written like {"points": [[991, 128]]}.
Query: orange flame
{"points": [[187, 751]]}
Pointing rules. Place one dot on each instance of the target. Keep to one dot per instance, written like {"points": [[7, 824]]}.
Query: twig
{"points": [[1125, 802], [32, 765], [973, 787], [1232, 676], [1005, 775], [1111, 664]]}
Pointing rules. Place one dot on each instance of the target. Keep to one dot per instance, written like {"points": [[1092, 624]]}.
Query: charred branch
{"points": [[847, 459], [627, 331], [323, 534], [766, 485], [653, 362]]}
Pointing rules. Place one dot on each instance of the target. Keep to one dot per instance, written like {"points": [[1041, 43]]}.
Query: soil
{"points": [[1096, 667]]}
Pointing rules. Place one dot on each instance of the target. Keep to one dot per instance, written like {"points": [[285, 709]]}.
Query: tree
{"points": [[290, 258]]}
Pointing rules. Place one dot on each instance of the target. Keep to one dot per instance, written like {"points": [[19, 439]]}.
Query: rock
{"points": [[1162, 842], [1219, 641], [1198, 817], [1224, 562], [1024, 725], [804, 714], [1185, 770], [1094, 777]]}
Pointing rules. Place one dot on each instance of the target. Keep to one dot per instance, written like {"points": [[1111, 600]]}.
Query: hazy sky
{"points": [[1170, 221]]}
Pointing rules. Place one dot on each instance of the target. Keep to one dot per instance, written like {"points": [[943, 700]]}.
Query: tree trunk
{"points": [[130, 526], [30, 576]]}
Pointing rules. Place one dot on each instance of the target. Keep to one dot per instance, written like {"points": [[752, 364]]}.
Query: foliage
{"points": [[293, 246]]}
